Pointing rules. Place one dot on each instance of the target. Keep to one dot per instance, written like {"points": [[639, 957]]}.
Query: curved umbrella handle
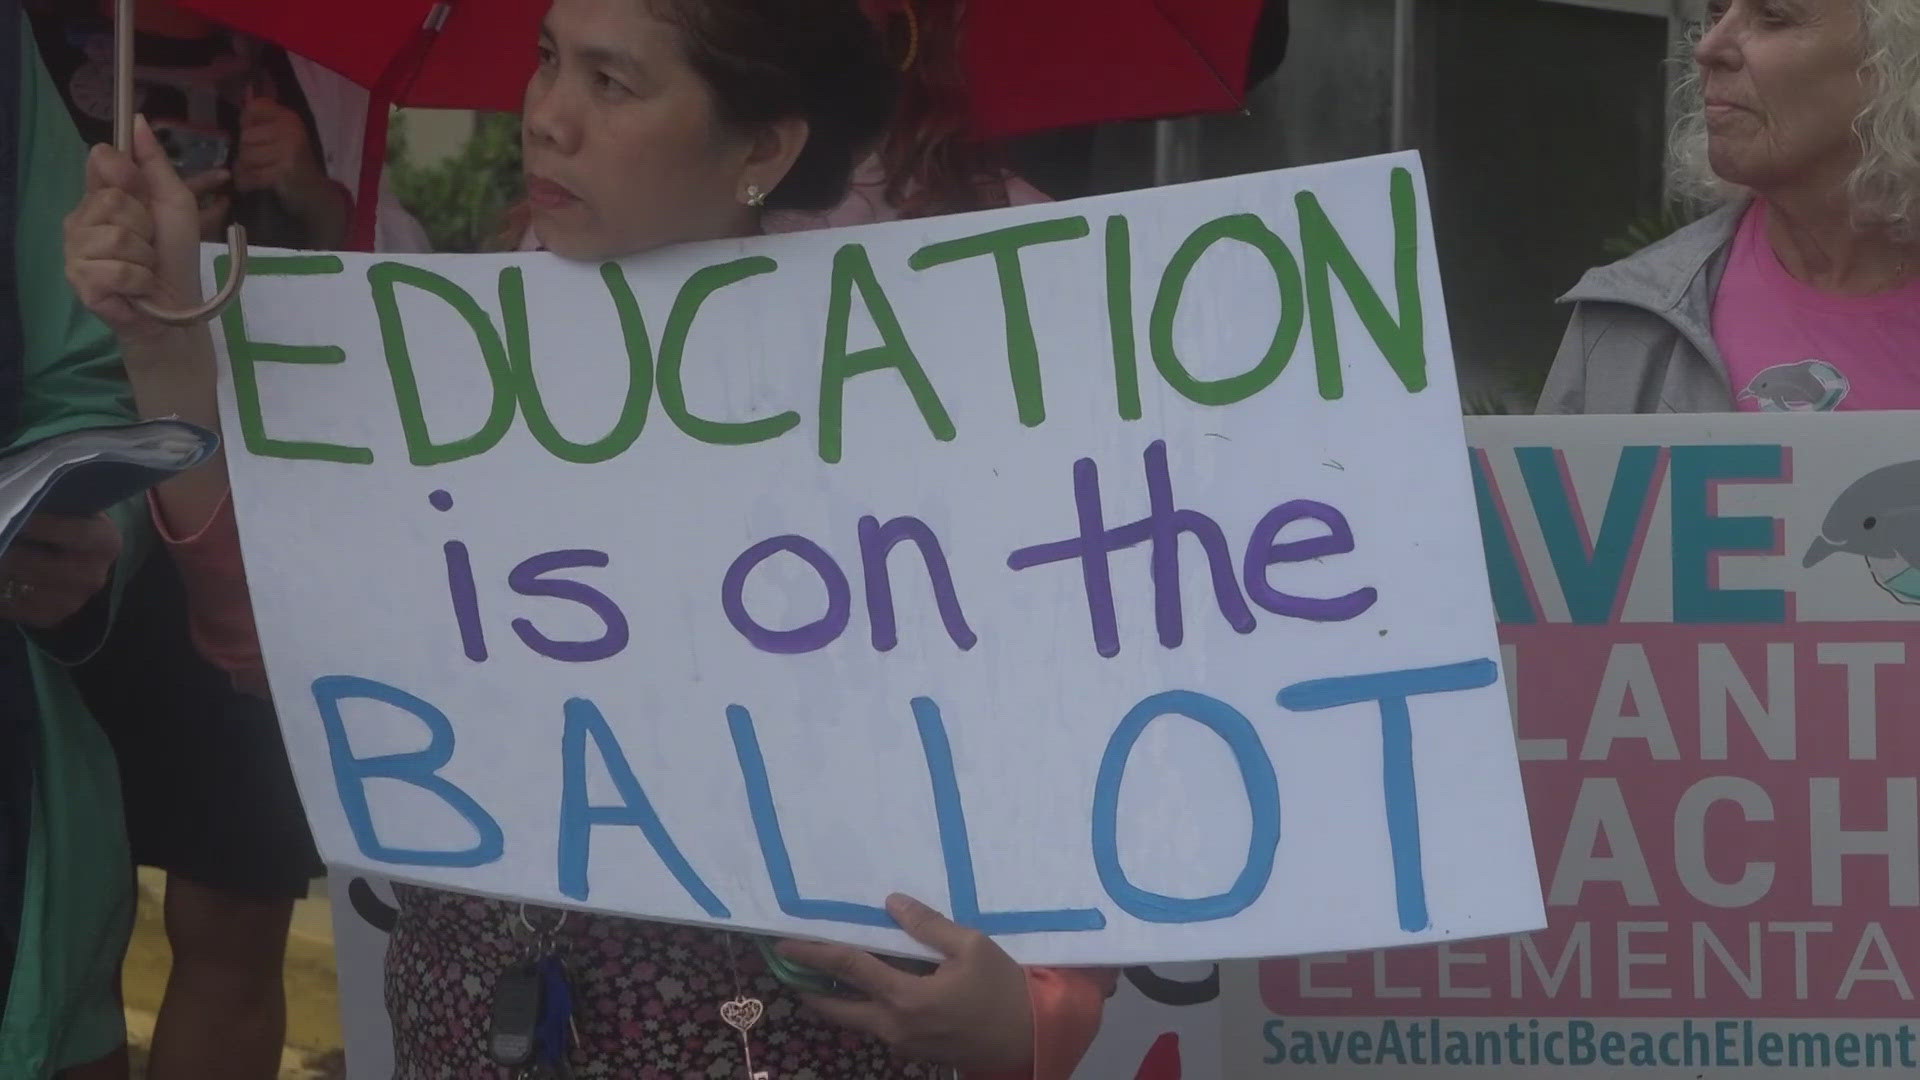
{"points": [[237, 252], [123, 34]]}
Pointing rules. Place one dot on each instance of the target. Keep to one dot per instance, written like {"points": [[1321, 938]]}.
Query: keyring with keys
{"points": [[532, 1029]]}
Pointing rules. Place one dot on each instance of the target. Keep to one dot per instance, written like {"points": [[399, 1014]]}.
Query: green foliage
{"points": [[1514, 389], [1485, 403], [462, 201], [1648, 229]]}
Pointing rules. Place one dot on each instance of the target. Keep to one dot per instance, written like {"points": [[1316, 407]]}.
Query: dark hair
{"points": [[819, 60]]}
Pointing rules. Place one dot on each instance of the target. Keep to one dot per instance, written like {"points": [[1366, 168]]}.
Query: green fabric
{"points": [[78, 907]]}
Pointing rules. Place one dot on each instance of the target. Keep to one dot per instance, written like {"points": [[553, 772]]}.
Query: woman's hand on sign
{"points": [[135, 236], [55, 566], [972, 1012]]}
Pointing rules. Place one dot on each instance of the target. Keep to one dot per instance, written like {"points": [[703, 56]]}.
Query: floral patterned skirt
{"points": [[646, 999]]}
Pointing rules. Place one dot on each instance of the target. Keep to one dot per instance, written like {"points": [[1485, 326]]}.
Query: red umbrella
{"points": [[1035, 65], [1032, 65], [428, 54]]}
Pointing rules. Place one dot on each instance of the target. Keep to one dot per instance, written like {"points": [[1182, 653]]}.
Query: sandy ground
{"points": [[313, 1014]]}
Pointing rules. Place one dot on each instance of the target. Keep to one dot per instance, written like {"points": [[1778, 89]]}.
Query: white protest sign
{"points": [[1106, 573]]}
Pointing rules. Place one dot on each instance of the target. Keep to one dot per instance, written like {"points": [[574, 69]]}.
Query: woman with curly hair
{"points": [[1801, 291]]}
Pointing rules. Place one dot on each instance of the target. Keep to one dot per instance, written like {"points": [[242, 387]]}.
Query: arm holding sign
{"points": [[978, 1011], [1067, 1007], [136, 235]]}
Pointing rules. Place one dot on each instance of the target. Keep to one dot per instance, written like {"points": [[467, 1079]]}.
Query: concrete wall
{"points": [[1542, 126], [1331, 100]]}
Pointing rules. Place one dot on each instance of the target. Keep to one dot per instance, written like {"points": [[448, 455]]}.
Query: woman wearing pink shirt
{"points": [[1802, 291], [649, 123]]}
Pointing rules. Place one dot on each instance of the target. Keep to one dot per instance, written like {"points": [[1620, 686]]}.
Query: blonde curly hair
{"points": [[1884, 188]]}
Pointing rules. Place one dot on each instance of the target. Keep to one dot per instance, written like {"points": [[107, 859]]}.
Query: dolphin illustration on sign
{"points": [[1807, 386], [1878, 519]]}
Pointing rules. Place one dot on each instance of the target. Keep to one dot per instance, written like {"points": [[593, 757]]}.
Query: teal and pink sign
{"points": [[1708, 625]]}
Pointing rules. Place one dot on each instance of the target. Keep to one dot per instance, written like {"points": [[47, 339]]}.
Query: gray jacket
{"points": [[1641, 336]]}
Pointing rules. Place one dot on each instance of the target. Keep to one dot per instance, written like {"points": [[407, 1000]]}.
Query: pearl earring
{"points": [[755, 197]]}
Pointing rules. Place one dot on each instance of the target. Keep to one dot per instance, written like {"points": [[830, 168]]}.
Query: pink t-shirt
{"points": [[1791, 348]]}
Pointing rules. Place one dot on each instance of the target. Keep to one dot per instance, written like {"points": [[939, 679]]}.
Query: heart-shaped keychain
{"points": [[741, 1014]]}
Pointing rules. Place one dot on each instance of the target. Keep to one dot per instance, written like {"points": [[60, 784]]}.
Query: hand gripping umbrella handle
{"points": [[123, 36]]}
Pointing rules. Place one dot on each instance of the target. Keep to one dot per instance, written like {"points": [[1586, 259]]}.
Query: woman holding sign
{"points": [[1802, 292], [649, 123]]}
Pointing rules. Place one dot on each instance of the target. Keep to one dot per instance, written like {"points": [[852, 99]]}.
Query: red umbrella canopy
{"points": [[433, 54], [1032, 64]]}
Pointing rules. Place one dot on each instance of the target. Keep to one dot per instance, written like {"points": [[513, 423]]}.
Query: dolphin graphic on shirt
{"points": [[1878, 519], [1808, 386]]}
